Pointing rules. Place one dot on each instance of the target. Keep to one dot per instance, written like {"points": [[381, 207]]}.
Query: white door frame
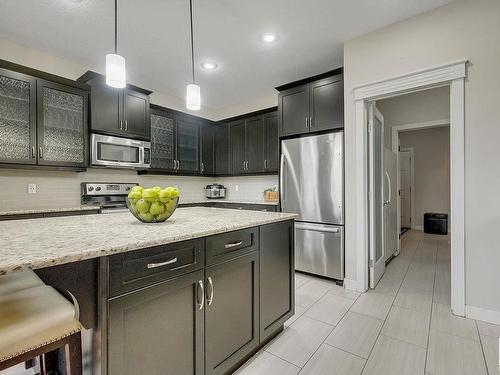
{"points": [[412, 190], [452, 74]]}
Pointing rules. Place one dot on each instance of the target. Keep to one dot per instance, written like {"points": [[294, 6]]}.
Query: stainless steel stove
{"points": [[109, 196]]}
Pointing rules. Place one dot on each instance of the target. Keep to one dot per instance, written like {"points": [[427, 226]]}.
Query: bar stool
{"points": [[34, 320]]}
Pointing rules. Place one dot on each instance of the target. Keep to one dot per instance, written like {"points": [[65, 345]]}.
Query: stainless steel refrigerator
{"points": [[312, 185]]}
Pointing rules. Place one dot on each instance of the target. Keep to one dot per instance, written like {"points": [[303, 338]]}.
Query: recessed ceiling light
{"points": [[269, 37], [209, 65]]}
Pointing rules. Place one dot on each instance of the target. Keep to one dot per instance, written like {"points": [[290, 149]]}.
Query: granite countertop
{"points": [[38, 243], [229, 201], [48, 210]]}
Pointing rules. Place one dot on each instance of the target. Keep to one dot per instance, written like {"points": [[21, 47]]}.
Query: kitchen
{"points": [[149, 171]]}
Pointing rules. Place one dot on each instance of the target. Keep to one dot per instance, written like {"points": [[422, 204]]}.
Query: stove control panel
{"points": [[105, 188]]}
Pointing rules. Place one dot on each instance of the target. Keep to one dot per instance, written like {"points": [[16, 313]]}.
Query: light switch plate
{"points": [[236, 188], [31, 188]]}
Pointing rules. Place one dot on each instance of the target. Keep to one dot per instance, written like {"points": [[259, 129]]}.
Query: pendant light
{"points": [[193, 95], [115, 64]]}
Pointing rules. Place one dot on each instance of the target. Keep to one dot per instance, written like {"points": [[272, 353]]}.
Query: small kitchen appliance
{"points": [[215, 191], [117, 152], [109, 196]]}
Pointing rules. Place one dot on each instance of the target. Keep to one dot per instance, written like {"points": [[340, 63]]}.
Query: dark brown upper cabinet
{"points": [[255, 144], [207, 166], [222, 158], [237, 131], [42, 122], [271, 142], [119, 112], [311, 107]]}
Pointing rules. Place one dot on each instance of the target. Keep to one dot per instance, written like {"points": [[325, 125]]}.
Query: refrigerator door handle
{"points": [[282, 174], [316, 228], [388, 201]]}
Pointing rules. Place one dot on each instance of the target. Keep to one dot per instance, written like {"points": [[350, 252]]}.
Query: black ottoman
{"points": [[435, 223]]}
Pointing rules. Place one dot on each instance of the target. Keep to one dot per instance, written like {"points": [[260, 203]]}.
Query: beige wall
{"points": [[415, 108], [431, 168], [463, 29]]}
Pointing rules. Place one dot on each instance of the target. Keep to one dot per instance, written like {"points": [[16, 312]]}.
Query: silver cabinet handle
{"points": [[202, 294], [121, 124], [40, 154], [126, 125], [232, 244], [265, 163], [307, 126], [210, 298], [178, 165], [155, 265], [32, 152], [202, 167], [311, 122]]}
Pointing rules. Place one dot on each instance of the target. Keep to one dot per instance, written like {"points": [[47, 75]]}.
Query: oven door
{"points": [[120, 152]]}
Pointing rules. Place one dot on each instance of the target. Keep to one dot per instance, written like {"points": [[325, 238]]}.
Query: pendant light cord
{"points": [[192, 39], [116, 27]]}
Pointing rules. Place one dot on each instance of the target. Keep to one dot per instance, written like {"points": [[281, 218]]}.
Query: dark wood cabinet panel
{"points": [[294, 110], [162, 140], [271, 137], [231, 314], [17, 118], [188, 146], [105, 109], [255, 144], [222, 166], [158, 329], [62, 125], [136, 114], [207, 149], [277, 280], [327, 104], [222, 247], [237, 133]]}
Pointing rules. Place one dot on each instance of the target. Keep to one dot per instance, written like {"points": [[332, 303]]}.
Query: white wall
{"points": [[463, 29], [249, 188], [415, 108], [431, 168]]}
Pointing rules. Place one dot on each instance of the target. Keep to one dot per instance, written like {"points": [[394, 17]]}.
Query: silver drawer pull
{"points": [[202, 294], [232, 244], [210, 298], [155, 265]]}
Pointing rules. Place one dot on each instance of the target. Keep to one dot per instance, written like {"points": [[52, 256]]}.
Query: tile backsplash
{"points": [[57, 189]]}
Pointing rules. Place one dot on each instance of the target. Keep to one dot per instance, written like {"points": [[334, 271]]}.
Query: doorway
{"points": [[406, 188]]}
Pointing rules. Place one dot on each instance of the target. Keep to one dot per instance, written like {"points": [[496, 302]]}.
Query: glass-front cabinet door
{"points": [[62, 125], [162, 140], [17, 118], [188, 141]]}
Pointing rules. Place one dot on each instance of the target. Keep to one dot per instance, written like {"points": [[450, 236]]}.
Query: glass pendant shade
{"points": [[193, 97], [115, 71]]}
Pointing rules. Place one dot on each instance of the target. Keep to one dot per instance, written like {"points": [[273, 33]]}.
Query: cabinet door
{"points": [[162, 140], [255, 144], [62, 125], [158, 330], [276, 276], [294, 110], [207, 149], [231, 313], [136, 119], [188, 146], [237, 135], [222, 149], [271, 140], [17, 118], [327, 104], [104, 107]]}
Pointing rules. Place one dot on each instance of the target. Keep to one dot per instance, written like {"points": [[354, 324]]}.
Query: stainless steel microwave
{"points": [[119, 152]]}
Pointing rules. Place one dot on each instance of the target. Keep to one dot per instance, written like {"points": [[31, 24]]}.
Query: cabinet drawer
{"points": [[137, 269], [225, 246]]}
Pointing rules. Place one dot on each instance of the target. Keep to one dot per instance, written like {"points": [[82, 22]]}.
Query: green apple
{"points": [[137, 188], [164, 195], [170, 206], [157, 208], [142, 206], [162, 217], [147, 217], [157, 189], [135, 194], [150, 195]]}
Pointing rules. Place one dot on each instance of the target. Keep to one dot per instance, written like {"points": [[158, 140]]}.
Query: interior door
{"points": [[391, 243], [405, 197], [376, 158]]}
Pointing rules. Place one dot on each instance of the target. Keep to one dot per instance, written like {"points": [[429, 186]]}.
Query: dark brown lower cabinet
{"points": [[231, 313], [277, 277], [158, 329]]}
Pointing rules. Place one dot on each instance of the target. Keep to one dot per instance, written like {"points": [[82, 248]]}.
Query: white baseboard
{"points": [[478, 313], [353, 285], [417, 227]]}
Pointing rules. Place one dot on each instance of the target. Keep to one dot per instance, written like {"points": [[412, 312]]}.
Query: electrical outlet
{"points": [[236, 188], [31, 188]]}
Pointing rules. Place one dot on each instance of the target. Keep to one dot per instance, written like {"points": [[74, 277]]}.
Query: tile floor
{"points": [[403, 326]]}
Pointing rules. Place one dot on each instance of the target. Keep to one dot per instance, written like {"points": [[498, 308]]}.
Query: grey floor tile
{"points": [[329, 360], [453, 355], [343, 292], [414, 300], [355, 334], [301, 279], [394, 357], [373, 304], [310, 292], [299, 341], [266, 363], [299, 310], [488, 329], [389, 285], [407, 325], [490, 349], [443, 320], [329, 309]]}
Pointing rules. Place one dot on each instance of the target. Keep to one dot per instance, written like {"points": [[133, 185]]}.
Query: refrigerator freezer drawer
{"points": [[319, 249]]}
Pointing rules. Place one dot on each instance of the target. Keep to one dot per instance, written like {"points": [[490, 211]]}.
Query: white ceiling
{"points": [[154, 38]]}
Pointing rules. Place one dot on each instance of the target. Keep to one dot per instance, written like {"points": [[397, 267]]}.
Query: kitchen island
{"points": [[197, 294]]}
